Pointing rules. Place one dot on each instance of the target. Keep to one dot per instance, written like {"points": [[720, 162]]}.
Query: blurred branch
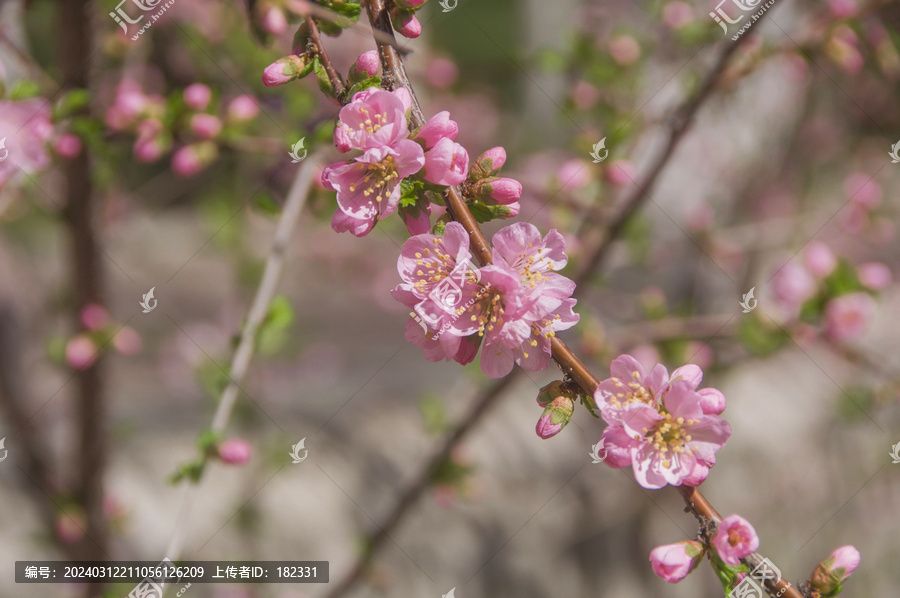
{"points": [[705, 326], [240, 362]]}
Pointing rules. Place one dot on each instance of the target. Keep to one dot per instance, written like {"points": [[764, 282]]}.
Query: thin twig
{"points": [[325, 60], [296, 200]]}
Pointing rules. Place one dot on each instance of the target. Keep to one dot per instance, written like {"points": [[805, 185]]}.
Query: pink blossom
{"points": [[502, 191], [556, 415], [81, 352], [843, 9], [129, 103], [677, 14], [149, 150], [830, 574], [853, 219], [70, 525], [407, 24], [27, 129], [368, 187], [819, 259], [489, 163], [438, 127], [624, 49], [573, 174], [862, 190], [235, 451], [621, 173], [67, 145], [848, 316], [197, 96], [734, 540], [206, 126], [243, 108], [274, 21], [127, 341], [368, 63], [441, 72], [94, 316], [792, 285], [447, 163], [284, 70], [191, 159], [373, 119], [700, 217], [673, 562], [875, 275], [660, 423], [584, 95]]}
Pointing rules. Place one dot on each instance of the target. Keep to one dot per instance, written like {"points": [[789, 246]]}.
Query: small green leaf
{"points": [[322, 78], [24, 89], [373, 81], [74, 101], [266, 204]]}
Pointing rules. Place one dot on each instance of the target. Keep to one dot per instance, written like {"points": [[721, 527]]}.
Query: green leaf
{"points": [[273, 331], [73, 102], [190, 470], [727, 574], [266, 204], [373, 81], [24, 89], [486, 213], [410, 191], [591, 405], [322, 78], [760, 339], [434, 414], [347, 8]]}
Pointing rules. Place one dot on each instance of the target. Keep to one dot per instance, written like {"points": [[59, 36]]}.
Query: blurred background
{"points": [[162, 162]]}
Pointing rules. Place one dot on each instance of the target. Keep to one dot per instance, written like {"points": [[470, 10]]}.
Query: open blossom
{"points": [[374, 118], [660, 425], [735, 539], [848, 316], [27, 146], [673, 562]]}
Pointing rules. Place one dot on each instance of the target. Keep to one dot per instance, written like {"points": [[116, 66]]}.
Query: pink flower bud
{"points": [[875, 275], [673, 562], [862, 190], [843, 9], [441, 73], [70, 525], [438, 127], [503, 190], [197, 96], [848, 316], [206, 126], [488, 164], [447, 163], [555, 417], [368, 63], [243, 108], [621, 173], [235, 451], [274, 21], [831, 573], [127, 341], [735, 539], [677, 14], [193, 158], [68, 145], [819, 259], [406, 23], [149, 150], [573, 174], [624, 49], [81, 352], [94, 317], [584, 95], [283, 70], [792, 285], [712, 401]]}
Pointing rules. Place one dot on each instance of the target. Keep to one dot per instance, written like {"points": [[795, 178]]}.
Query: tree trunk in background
{"points": [[75, 53]]}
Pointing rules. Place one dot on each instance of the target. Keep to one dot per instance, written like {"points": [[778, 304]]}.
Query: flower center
{"points": [[488, 313], [377, 177], [373, 122], [630, 392], [670, 437]]}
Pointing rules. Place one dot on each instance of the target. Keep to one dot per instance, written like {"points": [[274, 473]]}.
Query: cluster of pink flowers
{"points": [[25, 147], [513, 306], [663, 426], [145, 115], [369, 186], [83, 349]]}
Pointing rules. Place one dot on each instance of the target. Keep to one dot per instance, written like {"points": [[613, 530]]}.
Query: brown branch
{"points": [[319, 49]]}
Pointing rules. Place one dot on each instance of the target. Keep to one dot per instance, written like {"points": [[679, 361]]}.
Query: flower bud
{"points": [[243, 108], [555, 417], [286, 69], [368, 63], [504, 191], [206, 126], [197, 96], [274, 21], [438, 127], [81, 352], [68, 145], [235, 451], [673, 562], [831, 573], [488, 164], [193, 158], [406, 23]]}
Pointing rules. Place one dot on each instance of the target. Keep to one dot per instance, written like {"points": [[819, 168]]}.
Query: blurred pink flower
{"points": [[191, 159], [368, 63], [206, 126], [235, 451], [673, 562], [848, 316], [792, 285], [70, 525], [843, 9], [67, 145], [127, 341], [875, 275], [624, 49], [274, 21], [27, 129], [862, 190], [94, 316], [573, 174], [843, 50], [243, 108], [819, 259], [677, 14], [149, 150], [621, 173], [699, 217], [853, 219], [447, 163], [81, 352], [197, 96], [441, 72], [584, 95], [734, 540]]}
